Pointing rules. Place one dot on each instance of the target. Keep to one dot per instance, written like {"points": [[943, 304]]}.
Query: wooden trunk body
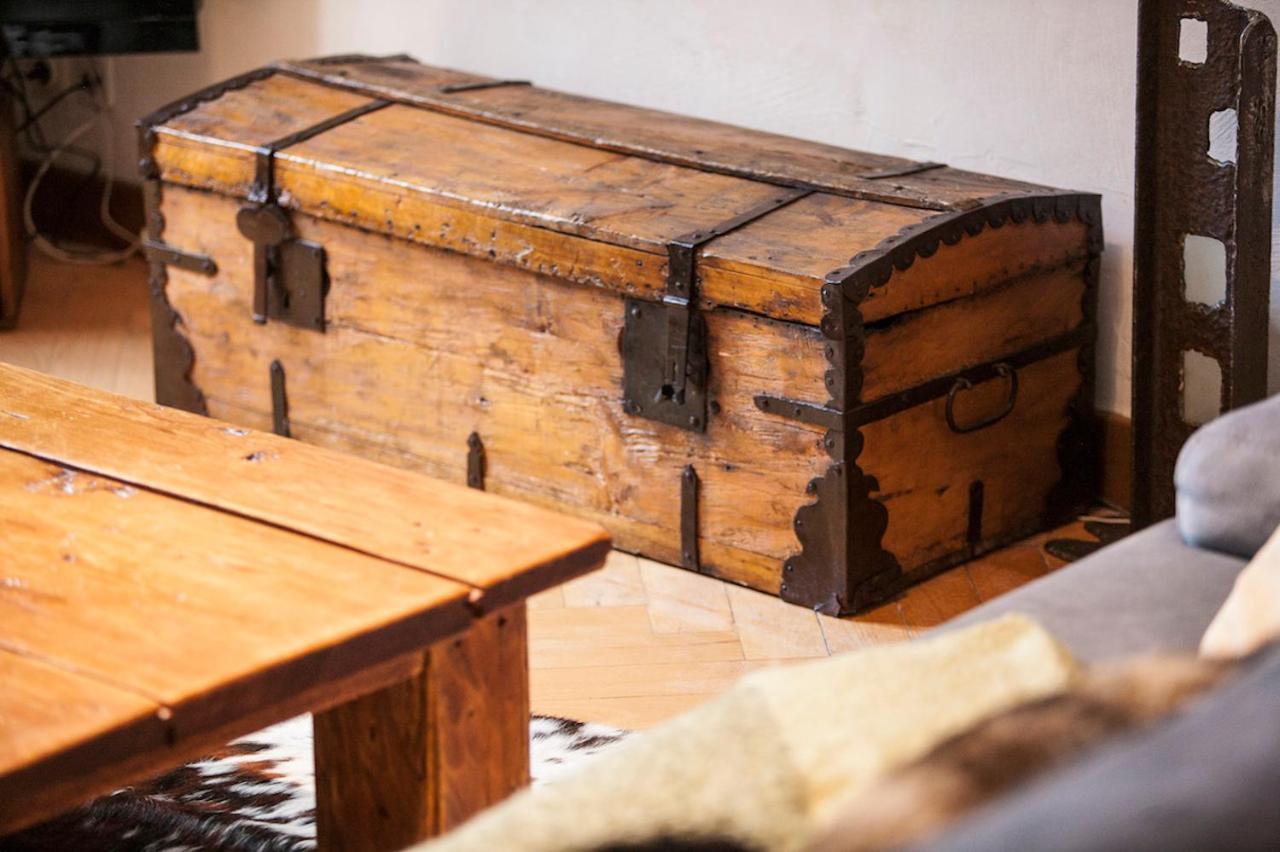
{"points": [[512, 277]]}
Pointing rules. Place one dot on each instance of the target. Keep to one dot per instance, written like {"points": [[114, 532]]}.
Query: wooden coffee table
{"points": [[169, 582]]}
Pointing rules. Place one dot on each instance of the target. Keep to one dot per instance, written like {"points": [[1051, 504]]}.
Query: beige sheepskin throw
{"points": [[1250, 617], [771, 760]]}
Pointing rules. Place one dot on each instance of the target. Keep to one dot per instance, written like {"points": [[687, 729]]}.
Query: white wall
{"points": [[1042, 91]]}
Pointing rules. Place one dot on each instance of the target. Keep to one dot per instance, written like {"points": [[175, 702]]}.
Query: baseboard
{"points": [[1117, 458], [66, 205]]}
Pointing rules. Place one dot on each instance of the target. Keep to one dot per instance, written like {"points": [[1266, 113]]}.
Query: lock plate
{"points": [[290, 280], [301, 283], [664, 345], [646, 392]]}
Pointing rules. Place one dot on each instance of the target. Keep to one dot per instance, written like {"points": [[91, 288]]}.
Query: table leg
{"points": [[419, 757]]}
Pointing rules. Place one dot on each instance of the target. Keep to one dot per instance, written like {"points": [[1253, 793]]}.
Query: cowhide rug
{"points": [[256, 794]]}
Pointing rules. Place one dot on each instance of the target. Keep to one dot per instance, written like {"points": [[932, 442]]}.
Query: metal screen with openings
{"points": [[1202, 228]]}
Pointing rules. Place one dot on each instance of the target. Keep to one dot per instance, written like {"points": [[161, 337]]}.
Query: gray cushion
{"points": [[1208, 778], [1228, 481], [1147, 592]]}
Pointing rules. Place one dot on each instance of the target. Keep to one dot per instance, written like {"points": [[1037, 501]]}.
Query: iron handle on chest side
{"points": [[951, 386], [954, 385], [962, 383]]}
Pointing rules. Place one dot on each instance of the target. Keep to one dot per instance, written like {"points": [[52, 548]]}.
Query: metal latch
{"points": [[664, 344], [290, 279], [163, 253]]}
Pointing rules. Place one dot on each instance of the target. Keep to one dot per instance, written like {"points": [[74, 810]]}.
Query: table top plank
{"points": [[167, 580], [505, 549], [202, 611], [71, 738], [45, 709], [59, 724]]}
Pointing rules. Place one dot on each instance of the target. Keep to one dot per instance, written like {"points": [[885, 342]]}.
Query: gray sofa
{"points": [[1208, 778]]}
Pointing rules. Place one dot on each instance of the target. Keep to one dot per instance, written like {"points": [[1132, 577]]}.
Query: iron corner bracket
{"points": [[842, 566], [174, 358], [172, 354]]}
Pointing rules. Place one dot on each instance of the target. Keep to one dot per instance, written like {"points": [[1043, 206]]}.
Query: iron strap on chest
{"points": [[290, 281], [664, 354]]}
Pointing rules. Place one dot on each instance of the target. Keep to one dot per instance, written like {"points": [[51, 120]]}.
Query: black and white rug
{"points": [[256, 794]]}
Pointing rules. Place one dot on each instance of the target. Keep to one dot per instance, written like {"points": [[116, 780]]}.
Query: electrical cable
{"points": [[51, 103], [31, 130], [102, 115]]}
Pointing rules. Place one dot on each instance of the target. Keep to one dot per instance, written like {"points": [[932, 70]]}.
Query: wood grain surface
{"points": [[580, 212], [460, 227], [56, 724], [267, 110], [924, 470], [204, 616], [192, 606], [663, 136], [99, 758], [421, 756], [776, 265], [409, 367], [221, 581], [965, 332], [501, 549]]}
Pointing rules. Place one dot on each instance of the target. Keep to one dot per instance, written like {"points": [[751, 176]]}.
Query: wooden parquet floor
{"points": [[639, 642], [631, 645]]}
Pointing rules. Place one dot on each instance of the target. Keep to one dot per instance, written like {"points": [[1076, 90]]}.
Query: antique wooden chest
{"points": [[821, 373]]}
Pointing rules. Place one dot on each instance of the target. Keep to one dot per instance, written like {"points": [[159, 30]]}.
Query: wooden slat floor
{"points": [[631, 645]]}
